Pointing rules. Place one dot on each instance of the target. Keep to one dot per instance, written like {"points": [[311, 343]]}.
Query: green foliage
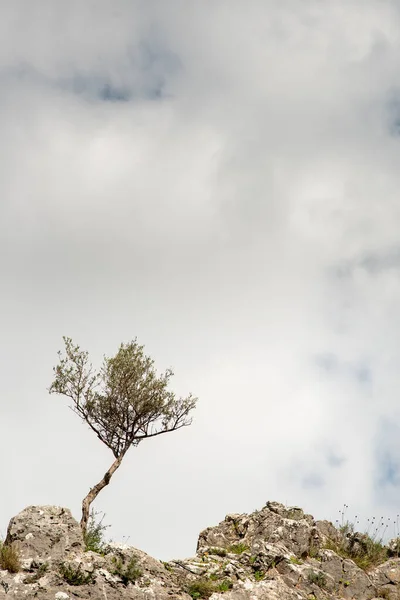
{"points": [[218, 551], [201, 588], [317, 578], [125, 401], [40, 572], [365, 549], [225, 585], [238, 548], [10, 558], [295, 561], [128, 572], [259, 575], [94, 534], [167, 565], [313, 552], [74, 575], [366, 554]]}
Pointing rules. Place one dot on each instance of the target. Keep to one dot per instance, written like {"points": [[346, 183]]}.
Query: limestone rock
{"points": [[45, 532], [277, 553]]}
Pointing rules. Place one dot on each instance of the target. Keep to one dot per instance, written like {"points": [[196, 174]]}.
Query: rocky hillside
{"points": [[276, 553]]}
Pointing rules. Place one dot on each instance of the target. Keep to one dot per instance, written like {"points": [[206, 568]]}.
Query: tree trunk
{"points": [[96, 489]]}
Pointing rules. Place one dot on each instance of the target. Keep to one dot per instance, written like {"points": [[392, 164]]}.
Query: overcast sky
{"points": [[221, 179]]}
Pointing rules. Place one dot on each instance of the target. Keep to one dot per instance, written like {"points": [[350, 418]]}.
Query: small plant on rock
{"points": [[313, 552], [129, 572], [218, 551], [75, 575], [94, 534], [259, 575], [10, 558], [318, 579], [201, 588], [225, 586], [238, 548], [40, 572]]}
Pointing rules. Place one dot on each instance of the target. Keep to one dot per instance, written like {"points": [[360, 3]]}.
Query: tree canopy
{"points": [[124, 402]]}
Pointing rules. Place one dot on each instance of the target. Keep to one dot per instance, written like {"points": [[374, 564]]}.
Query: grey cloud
{"points": [[334, 366], [313, 480]]}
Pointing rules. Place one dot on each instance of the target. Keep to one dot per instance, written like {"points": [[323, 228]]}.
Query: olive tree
{"points": [[124, 403]]}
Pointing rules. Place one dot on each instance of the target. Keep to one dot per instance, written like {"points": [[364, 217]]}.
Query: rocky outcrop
{"points": [[277, 553], [45, 533]]}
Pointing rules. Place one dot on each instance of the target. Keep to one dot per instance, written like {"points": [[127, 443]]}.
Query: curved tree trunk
{"points": [[96, 489]]}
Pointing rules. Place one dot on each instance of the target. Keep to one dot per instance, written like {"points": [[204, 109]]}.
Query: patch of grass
{"points": [[10, 559], [367, 549], [128, 572], [318, 579], [218, 551], [259, 575], [238, 548], [94, 536], [167, 565], [41, 571], [225, 586], [366, 554], [75, 575], [313, 551], [202, 588], [295, 561]]}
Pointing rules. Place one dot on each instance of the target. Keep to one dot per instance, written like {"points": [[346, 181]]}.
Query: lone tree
{"points": [[124, 403]]}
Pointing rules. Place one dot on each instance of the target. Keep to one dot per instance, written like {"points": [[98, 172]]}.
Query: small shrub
{"points": [[366, 549], [10, 558], [41, 571], [167, 565], [318, 579], [129, 572], [225, 586], [75, 575], [202, 588], [94, 536], [218, 551], [368, 554], [313, 552], [238, 548]]}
